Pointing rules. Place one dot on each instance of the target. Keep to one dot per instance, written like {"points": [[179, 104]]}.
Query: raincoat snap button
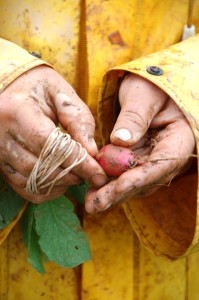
{"points": [[154, 70], [35, 54]]}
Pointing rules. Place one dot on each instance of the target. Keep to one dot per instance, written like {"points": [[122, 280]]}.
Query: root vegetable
{"points": [[116, 160]]}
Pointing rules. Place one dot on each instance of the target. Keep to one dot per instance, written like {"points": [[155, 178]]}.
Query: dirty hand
{"points": [[151, 123], [30, 108]]}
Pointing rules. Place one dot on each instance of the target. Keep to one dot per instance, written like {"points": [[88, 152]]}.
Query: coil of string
{"points": [[58, 147]]}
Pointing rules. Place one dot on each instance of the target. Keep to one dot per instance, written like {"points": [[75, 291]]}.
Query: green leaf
{"points": [[31, 238], [62, 238], [78, 191], [10, 204]]}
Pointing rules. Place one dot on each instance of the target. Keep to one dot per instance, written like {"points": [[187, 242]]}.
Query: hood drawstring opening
{"points": [[189, 28]]}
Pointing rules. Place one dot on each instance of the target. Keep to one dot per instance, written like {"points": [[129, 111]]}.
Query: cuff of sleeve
{"points": [[14, 61], [168, 221]]}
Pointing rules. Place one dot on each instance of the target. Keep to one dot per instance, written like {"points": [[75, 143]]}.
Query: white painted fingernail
{"points": [[123, 134]]}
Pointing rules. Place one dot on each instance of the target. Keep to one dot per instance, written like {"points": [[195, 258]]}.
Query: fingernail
{"points": [[92, 145], [108, 205], [99, 180], [137, 136], [122, 134]]}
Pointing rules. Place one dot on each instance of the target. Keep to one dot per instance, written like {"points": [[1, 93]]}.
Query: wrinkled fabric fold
{"points": [[166, 222]]}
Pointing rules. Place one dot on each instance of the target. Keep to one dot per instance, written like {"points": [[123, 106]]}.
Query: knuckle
{"points": [[81, 126], [135, 118], [6, 108], [8, 169]]}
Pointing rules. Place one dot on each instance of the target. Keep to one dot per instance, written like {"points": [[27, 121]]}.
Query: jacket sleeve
{"points": [[168, 221], [14, 61]]}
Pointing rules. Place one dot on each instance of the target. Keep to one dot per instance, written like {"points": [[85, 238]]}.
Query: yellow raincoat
{"points": [[82, 40]]}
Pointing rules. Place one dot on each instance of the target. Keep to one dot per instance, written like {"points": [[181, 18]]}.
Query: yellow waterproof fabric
{"points": [[14, 61], [82, 40], [5, 231], [166, 224]]}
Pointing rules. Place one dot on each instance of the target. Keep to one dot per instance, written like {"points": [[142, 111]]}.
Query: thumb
{"points": [[140, 100], [73, 114]]}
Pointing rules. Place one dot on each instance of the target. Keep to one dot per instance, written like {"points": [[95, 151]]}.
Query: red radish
{"points": [[116, 160]]}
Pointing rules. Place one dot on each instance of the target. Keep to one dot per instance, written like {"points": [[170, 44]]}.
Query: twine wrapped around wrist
{"points": [[58, 147]]}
